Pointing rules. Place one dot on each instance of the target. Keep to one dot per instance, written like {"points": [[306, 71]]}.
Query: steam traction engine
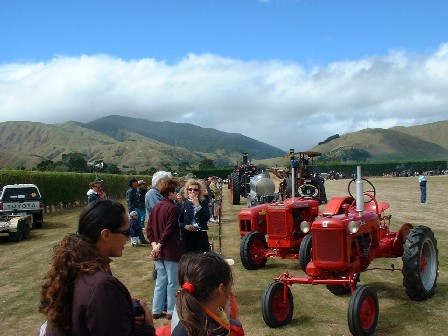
{"points": [[343, 245], [239, 180]]}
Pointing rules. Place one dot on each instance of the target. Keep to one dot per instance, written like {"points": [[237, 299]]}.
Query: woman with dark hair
{"points": [[80, 296], [205, 303], [193, 218]]}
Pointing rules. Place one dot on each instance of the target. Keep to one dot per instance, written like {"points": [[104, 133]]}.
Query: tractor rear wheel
{"points": [[235, 189], [26, 230], [276, 311], [363, 311], [305, 252], [420, 263], [252, 250]]}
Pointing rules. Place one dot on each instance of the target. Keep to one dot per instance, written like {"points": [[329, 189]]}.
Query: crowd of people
{"points": [[80, 296]]}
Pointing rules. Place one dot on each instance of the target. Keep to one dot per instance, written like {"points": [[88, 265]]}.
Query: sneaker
{"points": [[134, 244], [169, 316], [156, 316]]}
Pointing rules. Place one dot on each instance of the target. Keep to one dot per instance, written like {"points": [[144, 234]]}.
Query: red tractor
{"points": [[343, 245], [276, 230]]}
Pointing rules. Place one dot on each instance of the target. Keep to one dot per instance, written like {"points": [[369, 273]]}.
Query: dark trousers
{"points": [[195, 241]]}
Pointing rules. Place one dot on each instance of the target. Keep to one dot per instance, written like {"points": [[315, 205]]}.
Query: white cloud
{"points": [[280, 103]]}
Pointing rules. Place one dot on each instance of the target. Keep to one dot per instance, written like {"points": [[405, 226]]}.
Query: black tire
{"points": [[236, 188], [420, 263], [339, 290], [26, 230], [363, 311], [275, 312], [38, 220], [305, 251], [252, 250], [18, 235]]}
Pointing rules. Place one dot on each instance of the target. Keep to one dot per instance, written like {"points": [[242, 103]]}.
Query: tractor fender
{"points": [[334, 205], [401, 236]]}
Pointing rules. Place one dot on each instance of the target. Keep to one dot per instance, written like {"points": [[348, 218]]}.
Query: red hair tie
{"points": [[189, 287]]}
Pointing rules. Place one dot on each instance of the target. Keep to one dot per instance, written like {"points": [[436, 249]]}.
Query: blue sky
{"points": [[339, 65]]}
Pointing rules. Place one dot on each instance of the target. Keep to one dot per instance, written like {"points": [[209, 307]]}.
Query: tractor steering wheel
{"points": [[367, 193]]}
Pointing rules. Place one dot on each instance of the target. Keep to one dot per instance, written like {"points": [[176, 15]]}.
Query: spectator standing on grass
{"points": [[216, 199], [153, 196], [164, 236], [193, 218], [93, 193], [133, 202], [99, 184], [142, 190], [134, 225], [80, 296], [422, 182]]}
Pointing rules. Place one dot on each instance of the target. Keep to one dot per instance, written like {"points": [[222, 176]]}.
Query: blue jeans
{"points": [[141, 217], [166, 286], [423, 193]]}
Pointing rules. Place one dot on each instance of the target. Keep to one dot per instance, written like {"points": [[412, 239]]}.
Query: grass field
{"points": [[316, 312]]}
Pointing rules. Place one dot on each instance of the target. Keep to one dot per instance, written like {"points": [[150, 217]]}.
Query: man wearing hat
{"points": [[133, 202], [141, 203], [99, 184]]}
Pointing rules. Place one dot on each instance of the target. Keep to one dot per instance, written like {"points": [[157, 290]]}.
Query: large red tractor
{"points": [[341, 246], [276, 230]]}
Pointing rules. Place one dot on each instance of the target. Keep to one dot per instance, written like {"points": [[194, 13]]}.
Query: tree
{"points": [[75, 162], [206, 164], [45, 165]]}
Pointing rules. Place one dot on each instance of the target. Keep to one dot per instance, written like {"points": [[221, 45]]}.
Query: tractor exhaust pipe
{"points": [[245, 158], [359, 191]]}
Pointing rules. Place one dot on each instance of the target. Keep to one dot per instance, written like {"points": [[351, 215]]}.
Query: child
{"points": [[134, 225], [205, 303]]}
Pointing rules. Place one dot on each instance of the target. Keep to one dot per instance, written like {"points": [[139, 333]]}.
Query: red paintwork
{"points": [[280, 222], [337, 254]]}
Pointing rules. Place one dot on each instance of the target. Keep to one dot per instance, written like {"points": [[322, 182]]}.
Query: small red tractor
{"points": [[276, 229], [239, 179], [341, 246]]}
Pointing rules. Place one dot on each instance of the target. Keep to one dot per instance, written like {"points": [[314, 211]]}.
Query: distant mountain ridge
{"points": [[127, 142], [189, 136], [140, 144]]}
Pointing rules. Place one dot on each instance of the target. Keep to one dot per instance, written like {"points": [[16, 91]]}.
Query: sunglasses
{"points": [[126, 233], [191, 189]]}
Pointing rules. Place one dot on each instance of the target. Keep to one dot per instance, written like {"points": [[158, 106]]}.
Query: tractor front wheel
{"points": [[305, 252], [252, 250], [363, 311], [420, 263], [277, 309]]}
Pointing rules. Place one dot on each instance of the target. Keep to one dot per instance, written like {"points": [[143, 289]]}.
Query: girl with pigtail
{"points": [[205, 302]]}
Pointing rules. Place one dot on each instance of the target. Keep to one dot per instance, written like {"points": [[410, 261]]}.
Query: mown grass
{"points": [[317, 311]]}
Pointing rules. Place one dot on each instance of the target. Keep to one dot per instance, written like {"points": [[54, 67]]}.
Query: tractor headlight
{"points": [[353, 227], [305, 227]]}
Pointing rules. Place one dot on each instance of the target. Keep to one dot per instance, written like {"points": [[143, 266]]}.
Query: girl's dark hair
{"points": [[77, 254], [205, 271]]}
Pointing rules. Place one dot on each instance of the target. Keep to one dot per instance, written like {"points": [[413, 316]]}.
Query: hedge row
{"points": [[67, 188]]}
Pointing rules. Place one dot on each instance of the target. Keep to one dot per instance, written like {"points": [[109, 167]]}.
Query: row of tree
{"points": [[76, 162]]}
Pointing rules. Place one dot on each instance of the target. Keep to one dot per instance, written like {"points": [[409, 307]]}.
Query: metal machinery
{"points": [[276, 229], [343, 245], [239, 180]]}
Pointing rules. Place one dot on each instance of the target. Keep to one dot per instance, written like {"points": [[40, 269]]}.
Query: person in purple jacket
{"points": [[80, 296], [164, 236]]}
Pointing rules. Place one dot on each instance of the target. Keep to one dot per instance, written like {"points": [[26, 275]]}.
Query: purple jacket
{"points": [[102, 305], [163, 228]]}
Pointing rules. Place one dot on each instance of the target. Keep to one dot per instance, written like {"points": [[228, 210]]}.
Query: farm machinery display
{"points": [[239, 180], [276, 229], [341, 246], [302, 178]]}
